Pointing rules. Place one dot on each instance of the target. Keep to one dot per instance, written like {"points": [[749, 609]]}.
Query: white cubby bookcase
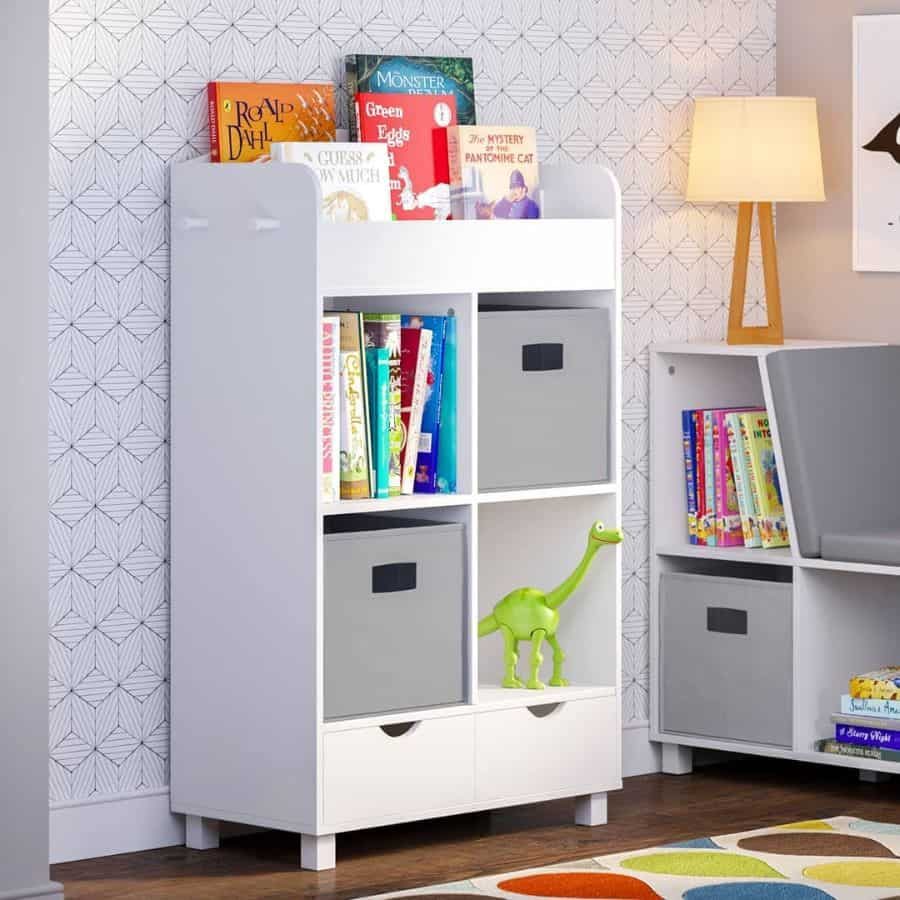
{"points": [[845, 617], [253, 270]]}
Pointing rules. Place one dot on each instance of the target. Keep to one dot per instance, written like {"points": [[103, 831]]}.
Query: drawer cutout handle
{"points": [[542, 357], [398, 729], [722, 620], [542, 710], [393, 577]]}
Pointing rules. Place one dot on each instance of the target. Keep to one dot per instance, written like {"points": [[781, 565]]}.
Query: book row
{"points": [[731, 478], [389, 405], [415, 150]]}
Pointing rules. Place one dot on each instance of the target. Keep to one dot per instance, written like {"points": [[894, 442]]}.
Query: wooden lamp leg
{"points": [[738, 333]]}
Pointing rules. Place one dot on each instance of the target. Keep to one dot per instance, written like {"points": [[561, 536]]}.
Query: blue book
{"points": [[880, 709], [689, 444], [378, 364], [429, 439], [863, 736], [446, 464]]}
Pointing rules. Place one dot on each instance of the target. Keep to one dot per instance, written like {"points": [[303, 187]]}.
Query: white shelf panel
{"points": [[831, 565], [407, 501], [716, 348], [384, 258], [547, 493], [779, 556], [493, 697], [394, 718]]}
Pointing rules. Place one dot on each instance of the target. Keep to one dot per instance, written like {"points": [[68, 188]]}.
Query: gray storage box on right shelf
{"points": [[543, 397], [726, 658]]}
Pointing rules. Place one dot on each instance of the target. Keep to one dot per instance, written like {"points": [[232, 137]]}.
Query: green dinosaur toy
{"points": [[528, 614]]}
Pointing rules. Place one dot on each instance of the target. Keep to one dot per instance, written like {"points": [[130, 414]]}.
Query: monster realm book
{"points": [[382, 330], [415, 344], [354, 177], [356, 450], [414, 127], [244, 118], [331, 426], [493, 172], [375, 74]]}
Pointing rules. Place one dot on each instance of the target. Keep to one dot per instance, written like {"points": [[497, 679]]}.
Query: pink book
{"points": [[729, 532]]}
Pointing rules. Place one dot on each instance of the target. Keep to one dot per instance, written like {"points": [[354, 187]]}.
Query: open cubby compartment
{"points": [[461, 306], [538, 544], [847, 624]]}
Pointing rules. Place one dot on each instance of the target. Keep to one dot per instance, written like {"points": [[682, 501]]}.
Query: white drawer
{"points": [[370, 775], [572, 750]]}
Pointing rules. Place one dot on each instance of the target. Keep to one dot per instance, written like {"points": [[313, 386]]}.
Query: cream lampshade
{"points": [[755, 150]]}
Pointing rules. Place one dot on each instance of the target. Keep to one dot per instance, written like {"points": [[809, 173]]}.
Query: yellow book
{"points": [[764, 477], [882, 684]]}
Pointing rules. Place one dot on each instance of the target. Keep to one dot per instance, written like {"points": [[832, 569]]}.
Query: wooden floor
{"points": [[653, 809]]}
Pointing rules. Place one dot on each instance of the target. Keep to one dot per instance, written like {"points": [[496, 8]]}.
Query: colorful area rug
{"points": [[830, 859]]}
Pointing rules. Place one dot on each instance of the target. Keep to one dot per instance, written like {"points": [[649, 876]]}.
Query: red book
{"points": [[700, 476], [414, 126]]}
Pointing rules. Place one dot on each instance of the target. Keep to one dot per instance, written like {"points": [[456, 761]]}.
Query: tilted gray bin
{"points": [[394, 614], [726, 658], [543, 397]]}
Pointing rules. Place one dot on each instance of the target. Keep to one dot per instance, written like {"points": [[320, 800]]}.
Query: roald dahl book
{"points": [[245, 117]]}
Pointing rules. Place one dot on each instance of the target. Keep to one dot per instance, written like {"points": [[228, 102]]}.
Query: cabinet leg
{"points": [[590, 809], [870, 777], [201, 833], [677, 760], [317, 851]]}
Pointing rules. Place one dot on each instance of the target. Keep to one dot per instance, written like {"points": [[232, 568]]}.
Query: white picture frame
{"points": [[876, 118]]}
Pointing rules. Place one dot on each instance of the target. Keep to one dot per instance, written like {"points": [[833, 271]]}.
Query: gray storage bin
{"points": [[394, 614], [543, 397], [726, 658]]}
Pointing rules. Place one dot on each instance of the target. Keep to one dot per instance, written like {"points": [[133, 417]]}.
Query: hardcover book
{"points": [[764, 477], [331, 368], [429, 438], [380, 74], [493, 172], [883, 738], [378, 379], [700, 476], [356, 451], [709, 465], [749, 514], [415, 346], [245, 117], [861, 721], [729, 532], [383, 330], [414, 128], [354, 177], [882, 684], [879, 709], [860, 751], [688, 445], [446, 464]]}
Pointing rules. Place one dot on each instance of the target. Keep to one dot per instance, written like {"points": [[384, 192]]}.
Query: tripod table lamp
{"points": [[755, 150]]}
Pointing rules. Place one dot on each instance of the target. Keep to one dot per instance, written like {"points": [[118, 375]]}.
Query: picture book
{"points": [[878, 709], [378, 378], [885, 738], [859, 751], [414, 128], [493, 172], [446, 462], [383, 330], [882, 684], [381, 74], [356, 453], [709, 466], [748, 512], [764, 476], [330, 412], [729, 532], [429, 438], [354, 177], [415, 344], [700, 476], [245, 117], [689, 447]]}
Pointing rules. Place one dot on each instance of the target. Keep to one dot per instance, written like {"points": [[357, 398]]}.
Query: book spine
{"points": [[367, 431], [729, 532], [429, 439], [687, 444], [749, 528], [351, 82], [378, 374], [446, 463], [329, 414], [410, 458], [772, 526], [829, 745], [212, 94], [858, 706], [355, 469], [885, 738], [747, 451], [709, 465], [881, 685], [454, 159], [395, 422], [700, 476]]}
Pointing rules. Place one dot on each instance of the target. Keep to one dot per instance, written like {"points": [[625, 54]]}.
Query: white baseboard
{"points": [[120, 824], [639, 755], [49, 891]]}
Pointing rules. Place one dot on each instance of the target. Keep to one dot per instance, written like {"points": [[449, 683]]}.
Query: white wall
{"points": [[23, 460]]}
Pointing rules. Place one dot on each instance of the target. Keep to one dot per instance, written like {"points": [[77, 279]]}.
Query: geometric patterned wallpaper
{"points": [[602, 80]]}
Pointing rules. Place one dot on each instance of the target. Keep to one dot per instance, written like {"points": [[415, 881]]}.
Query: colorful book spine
{"points": [[764, 474], [414, 380], [689, 449], [747, 448], [356, 453], [330, 414], [749, 526], [700, 476], [378, 364], [709, 466], [882, 684], [446, 457], [429, 439], [729, 532], [858, 751], [883, 738], [383, 330], [858, 706]]}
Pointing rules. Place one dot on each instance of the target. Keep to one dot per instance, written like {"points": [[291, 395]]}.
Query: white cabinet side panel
{"points": [[245, 528]]}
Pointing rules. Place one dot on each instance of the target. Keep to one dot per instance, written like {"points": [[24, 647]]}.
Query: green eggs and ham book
{"points": [[380, 74], [354, 177]]}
